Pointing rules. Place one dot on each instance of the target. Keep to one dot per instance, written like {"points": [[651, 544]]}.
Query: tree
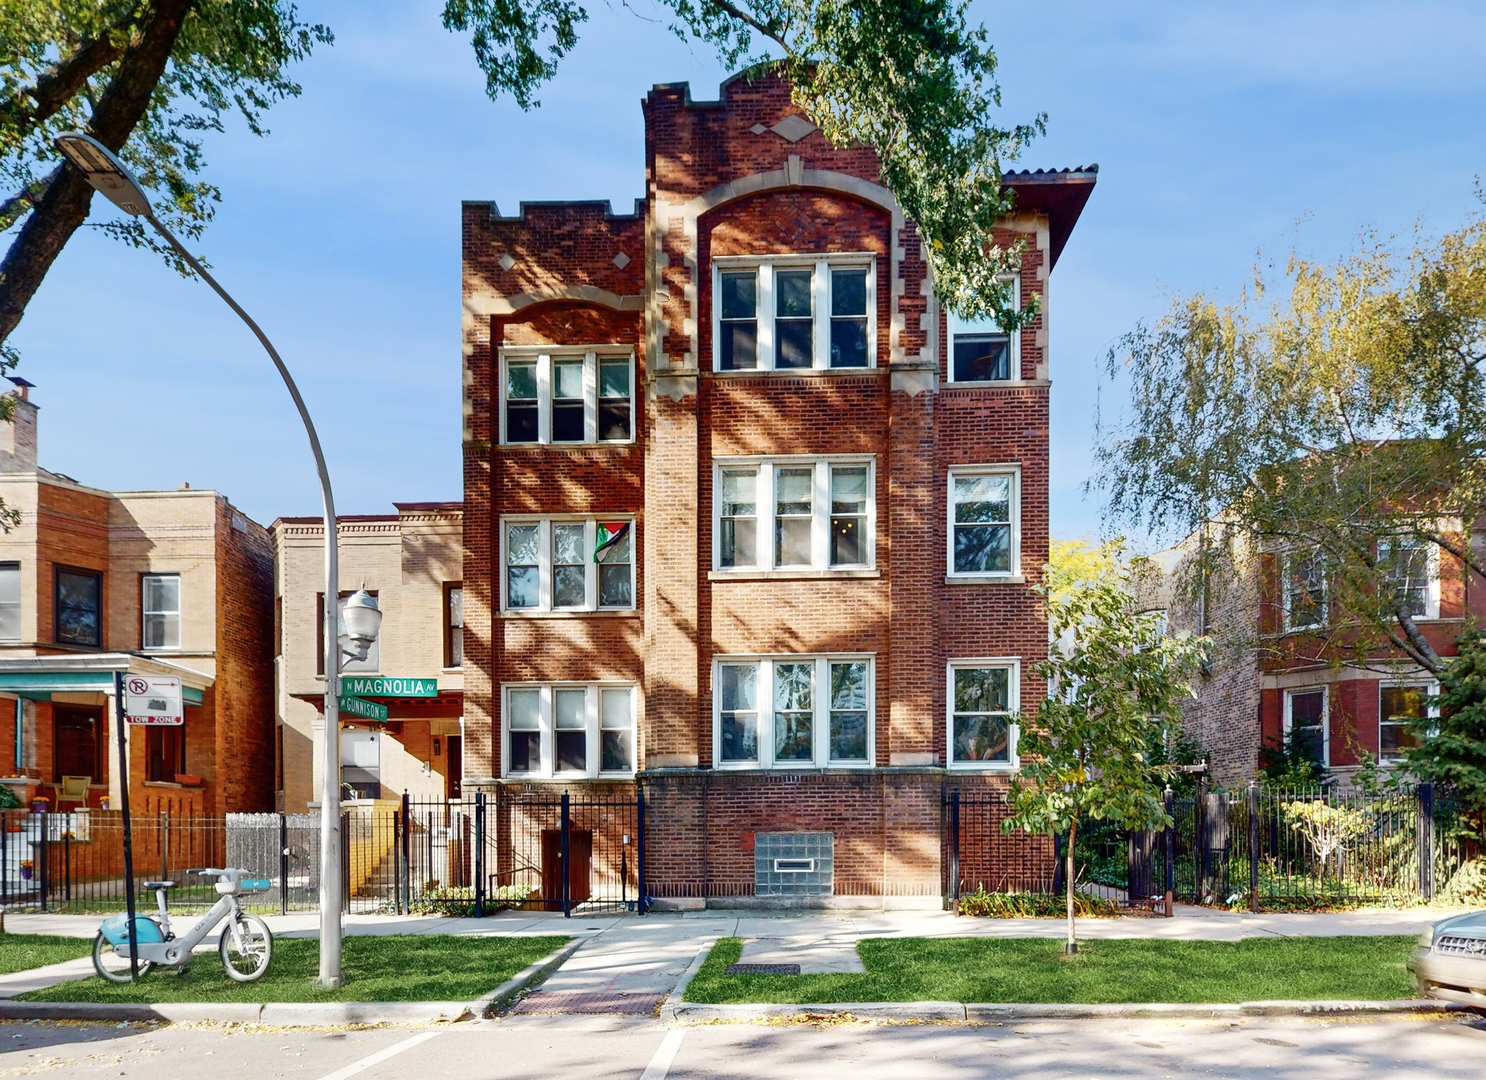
{"points": [[145, 78], [1450, 748], [1114, 677], [1341, 426]]}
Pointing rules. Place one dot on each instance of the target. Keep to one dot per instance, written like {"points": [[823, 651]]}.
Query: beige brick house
{"points": [[412, 562], [95, 582]]}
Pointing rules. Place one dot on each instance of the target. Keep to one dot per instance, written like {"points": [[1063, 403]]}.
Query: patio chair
{"points": [[74, 790]]}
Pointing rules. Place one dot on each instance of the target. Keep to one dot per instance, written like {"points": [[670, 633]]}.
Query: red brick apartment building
{"points": [[95, 582], [748, 520], [1285, 662]]}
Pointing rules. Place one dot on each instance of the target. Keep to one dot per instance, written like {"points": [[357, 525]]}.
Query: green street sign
{"points": [[382, 686], [367, 710]]}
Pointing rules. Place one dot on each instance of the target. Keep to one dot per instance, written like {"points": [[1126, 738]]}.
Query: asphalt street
{"points": [[568, 1048]]}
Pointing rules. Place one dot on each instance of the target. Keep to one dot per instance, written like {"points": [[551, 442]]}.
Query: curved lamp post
{"points": [[107, 174]]}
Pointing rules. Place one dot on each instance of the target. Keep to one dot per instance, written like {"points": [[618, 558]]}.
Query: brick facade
{"points": [[721, 184]]}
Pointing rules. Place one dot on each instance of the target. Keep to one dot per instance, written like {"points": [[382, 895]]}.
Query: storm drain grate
{"points": [[763, 969]]}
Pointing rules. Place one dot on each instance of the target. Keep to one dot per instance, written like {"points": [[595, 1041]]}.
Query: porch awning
{"points": [[39, 677]]}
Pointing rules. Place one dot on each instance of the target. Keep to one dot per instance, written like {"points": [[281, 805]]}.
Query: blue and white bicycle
{"points": [[246, 946]]}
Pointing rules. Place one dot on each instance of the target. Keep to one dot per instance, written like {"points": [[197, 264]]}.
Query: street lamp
{"points": [[360, 621], [107, 174]]}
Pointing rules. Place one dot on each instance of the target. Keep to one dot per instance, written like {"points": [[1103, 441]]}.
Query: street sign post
{"points": [[354, 706], [153, 700]]}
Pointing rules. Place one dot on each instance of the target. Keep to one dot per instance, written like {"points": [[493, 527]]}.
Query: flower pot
{"points": [[188, 779], [26, 873]]}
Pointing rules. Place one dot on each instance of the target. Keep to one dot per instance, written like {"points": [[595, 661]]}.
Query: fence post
{"points": [[1253, 846], [1169, 800], [43, 866], [1199, 830], [567, 878], [642, 899], [164, 845], [4, 862], [479, 859], [283, 864], [1425, 840], [345, 867], [954, 849], [407, 851]]}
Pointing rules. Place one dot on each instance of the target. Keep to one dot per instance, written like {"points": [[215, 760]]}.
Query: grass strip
{"points": [[21, 952], [1025, 970], [396, 967]]}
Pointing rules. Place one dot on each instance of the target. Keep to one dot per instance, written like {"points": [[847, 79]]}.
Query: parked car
{"points": [[1450, 962]]}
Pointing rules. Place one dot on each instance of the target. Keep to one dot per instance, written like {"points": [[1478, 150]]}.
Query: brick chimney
{"points": [[18, 438]]}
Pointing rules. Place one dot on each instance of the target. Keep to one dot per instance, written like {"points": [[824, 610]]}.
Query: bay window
{"points": [[794, 514], [568, 730], [793, 712], [573, 564], [794, 312], [982, 700], [551, 396]]}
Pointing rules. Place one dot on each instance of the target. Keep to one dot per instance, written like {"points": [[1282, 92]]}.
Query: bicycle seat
{"points": [[152, 885]]}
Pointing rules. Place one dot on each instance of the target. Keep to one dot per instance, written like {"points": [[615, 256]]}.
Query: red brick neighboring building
{"points": [[744, 509]]}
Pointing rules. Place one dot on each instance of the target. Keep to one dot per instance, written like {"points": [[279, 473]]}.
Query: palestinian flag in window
{"points": [[608, 536]]}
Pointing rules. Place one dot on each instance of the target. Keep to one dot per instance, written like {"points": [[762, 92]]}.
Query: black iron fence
{"points": [[537, 850], [1257, 848]]}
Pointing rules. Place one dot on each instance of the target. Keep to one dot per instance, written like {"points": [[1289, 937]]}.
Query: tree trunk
{"points": [[1072, 946], [64, 207]]}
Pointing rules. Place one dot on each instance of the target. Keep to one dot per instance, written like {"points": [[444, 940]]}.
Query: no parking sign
{"points": [[153, 699]]}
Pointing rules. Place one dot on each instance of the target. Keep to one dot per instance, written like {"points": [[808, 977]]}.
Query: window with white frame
{"points": [[982, 700], [160, 604], [794, 312], [1305, 590], [550, 396], [10, 601], [794, 514], [793, 712], [980, 351], [567, 564], [568, 729], [1411, 569], [1400, 707], [984, 521], [1307, 718]]}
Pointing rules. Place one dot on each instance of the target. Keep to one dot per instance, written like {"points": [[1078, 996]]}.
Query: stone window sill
{"points": [[788, 575], [985, 579], [629, 614]]}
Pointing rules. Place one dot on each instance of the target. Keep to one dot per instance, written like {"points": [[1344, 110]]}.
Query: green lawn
{"points": [[21, 952], [402, 967], [1036, 970]]}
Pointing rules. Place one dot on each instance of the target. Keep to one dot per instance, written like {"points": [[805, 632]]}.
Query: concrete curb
{"points": [[507, 991], [955, 1012], [677, 997]]}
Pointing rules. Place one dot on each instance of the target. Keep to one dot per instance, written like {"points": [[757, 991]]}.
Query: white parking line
{"points": [[382, 1055], [660, 1064]]}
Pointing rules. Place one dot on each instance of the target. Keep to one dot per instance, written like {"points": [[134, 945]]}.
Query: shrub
{"points": [[1467, 886], [1020, 905], [459, 901]]}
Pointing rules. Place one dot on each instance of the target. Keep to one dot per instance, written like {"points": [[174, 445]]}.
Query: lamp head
{"points": [[104, 171], [361, 619]]}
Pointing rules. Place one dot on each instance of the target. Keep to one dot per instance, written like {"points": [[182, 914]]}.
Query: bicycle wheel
{"points": [[246, 948], [111, 965]]}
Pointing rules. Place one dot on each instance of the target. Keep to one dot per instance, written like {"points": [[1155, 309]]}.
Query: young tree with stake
{"points": [[1113, 677]]}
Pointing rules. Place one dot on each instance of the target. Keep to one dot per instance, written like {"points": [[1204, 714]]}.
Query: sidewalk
{"points": [[630, 964]]}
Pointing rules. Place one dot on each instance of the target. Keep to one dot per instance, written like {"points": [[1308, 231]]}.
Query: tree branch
{"points": [[58, 83], [748, 20]]}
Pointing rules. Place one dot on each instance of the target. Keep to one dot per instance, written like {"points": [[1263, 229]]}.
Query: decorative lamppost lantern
{"points": [[360, 621]]}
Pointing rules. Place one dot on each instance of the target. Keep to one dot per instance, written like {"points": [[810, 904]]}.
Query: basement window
{"points": [[569, 397]]}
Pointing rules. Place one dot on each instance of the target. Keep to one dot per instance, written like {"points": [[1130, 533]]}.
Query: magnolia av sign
{"points": [[383, 686]]}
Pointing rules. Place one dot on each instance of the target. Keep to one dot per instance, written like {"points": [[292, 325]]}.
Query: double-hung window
{"points": [[982, 698], [980, 351], [453, 624], [160, 604], [1305, 590], [78, 607], [792, 312], [794, 514], [569, 396], [793, 712], [1400, 708], [1307, 718], [567, 564], [984, 522], [10, 601], [1411, 571], [569, 729]]}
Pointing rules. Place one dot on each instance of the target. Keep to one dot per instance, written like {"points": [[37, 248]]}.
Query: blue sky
{"points": [[1221, 131]]}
